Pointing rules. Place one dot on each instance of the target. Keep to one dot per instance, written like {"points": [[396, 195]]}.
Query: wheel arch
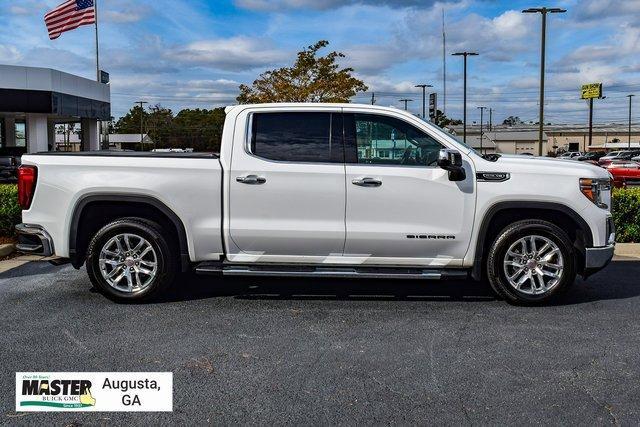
{"points": [[111, 206], [502, 214]]}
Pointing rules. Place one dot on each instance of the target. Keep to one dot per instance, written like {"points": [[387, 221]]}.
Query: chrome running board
{"points": [[332, 272]]}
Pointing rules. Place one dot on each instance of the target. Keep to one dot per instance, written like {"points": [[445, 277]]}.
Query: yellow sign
{"points": [[592, 90]]}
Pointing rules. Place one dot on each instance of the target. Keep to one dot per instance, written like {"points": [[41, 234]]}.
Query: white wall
{"points": [[90, 136], [37, 133]]}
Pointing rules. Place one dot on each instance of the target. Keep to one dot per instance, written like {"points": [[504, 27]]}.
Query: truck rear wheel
{"points": [[130, 260], [530, 262]]}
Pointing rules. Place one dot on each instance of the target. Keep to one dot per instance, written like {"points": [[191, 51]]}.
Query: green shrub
{"points": [[626, 214], [10, 213]]}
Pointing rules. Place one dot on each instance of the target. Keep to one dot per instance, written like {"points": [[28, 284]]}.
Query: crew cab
{"points": [[320, 190]]}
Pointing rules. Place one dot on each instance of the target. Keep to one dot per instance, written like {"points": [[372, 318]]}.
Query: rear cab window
{"points": [[314, 137]]}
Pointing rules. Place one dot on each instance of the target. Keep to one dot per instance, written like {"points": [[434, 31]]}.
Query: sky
{"points": [[195, 54]]}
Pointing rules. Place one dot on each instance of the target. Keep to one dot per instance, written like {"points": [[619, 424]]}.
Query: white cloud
{"points": [[233, 54], [598, 10], [9, 54], [279, 5], [26, 8]]}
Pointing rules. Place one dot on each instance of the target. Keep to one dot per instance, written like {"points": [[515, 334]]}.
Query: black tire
{"points": [[165, 257], [512, 234]]}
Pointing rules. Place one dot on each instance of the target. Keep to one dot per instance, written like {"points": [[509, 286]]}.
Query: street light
{"points": [[543, 11], [405, 102], [591, 118], [424, 95], [464, 113], [630, 96], [141, 103], [481, 119]]}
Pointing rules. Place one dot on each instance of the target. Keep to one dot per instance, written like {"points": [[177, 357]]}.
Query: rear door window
{"points": [[297, 137]]}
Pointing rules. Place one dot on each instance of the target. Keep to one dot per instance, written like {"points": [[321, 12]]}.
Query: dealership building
{"points": [[34, 100]]}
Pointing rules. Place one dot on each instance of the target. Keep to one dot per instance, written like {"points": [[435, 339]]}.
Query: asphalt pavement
{"points": [[299, 351]]}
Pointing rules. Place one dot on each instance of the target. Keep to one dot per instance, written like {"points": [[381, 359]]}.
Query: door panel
{"points": [[413, 214], [284, 204]]}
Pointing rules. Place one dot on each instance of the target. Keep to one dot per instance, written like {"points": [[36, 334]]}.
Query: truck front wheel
{"points": [[129, 259], [530, 262]]}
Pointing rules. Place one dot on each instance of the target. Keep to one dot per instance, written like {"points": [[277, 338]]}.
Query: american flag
{"points": [[68, 16]]}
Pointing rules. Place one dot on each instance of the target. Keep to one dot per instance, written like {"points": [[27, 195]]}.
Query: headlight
{"points": [[595, 189]]}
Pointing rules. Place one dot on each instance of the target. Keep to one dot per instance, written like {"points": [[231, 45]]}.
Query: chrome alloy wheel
{"points": [[128, 263], [533, 265]]}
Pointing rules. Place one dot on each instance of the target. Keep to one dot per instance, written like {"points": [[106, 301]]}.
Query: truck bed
{"points": [[187, 184]]}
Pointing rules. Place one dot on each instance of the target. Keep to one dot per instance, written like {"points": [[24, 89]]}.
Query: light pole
{"points": [[405, 102], [591, 118], [630, 96], [424, 99], [490, 119], [481, 119], [543, 11], [141, 103], [464, 113]]}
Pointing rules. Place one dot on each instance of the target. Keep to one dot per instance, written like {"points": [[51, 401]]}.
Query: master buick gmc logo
{"points": [[57, 393]]}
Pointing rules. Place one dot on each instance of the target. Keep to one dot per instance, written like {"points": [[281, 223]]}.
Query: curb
{"points": [[6, 249], [631, 250]]}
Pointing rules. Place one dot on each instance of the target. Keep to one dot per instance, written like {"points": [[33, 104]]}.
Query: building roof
{"points": [[129, 138], [512, 135], [47, 79], [622, 145], [474, 141]]}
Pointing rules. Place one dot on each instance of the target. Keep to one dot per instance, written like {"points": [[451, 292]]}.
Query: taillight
{"points": [[27, 176]]}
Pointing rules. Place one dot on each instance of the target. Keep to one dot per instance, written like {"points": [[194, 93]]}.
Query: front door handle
{"points": [[367, 182], [251, 179]]}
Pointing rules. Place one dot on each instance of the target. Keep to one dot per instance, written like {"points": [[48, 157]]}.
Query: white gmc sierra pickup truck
{"points": [[323, 190]]}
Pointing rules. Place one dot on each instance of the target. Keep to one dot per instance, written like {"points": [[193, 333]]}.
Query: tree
{"points": [[442, 120], [512, 121], [312, 78], [130, 122], [199, 129]]}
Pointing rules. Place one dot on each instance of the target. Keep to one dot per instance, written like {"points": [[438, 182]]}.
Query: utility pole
{"points": [[481, 120], [141, 103], [424, 99], [405, 102], [444, 68], [543, 11], [373, 98], [490, 119], [630, 96], [464, 113]]}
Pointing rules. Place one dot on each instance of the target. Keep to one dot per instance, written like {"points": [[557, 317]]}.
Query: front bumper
{"points": [[598, 258], [34, 240]]}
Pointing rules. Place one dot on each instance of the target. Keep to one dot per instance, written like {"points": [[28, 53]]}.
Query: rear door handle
{"points": [[251, 179], [367, 182]]}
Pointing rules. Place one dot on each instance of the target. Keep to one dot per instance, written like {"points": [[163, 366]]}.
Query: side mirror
{"points": [[451, 160]]}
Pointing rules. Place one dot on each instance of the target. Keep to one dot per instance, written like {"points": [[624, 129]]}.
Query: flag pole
{"points": [[95, 7]]}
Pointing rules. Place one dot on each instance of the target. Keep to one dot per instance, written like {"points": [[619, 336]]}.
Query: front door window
{"points": [[384, 140]]}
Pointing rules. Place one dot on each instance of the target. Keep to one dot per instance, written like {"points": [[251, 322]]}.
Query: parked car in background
{"points": [[618, 155], [9, 163], [621, 164], [8, 168], [636, 159], [570, 155], [592, 156], [625, 174]]}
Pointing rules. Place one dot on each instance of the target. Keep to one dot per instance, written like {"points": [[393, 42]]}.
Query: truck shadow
{"points": [[618, 281]]}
